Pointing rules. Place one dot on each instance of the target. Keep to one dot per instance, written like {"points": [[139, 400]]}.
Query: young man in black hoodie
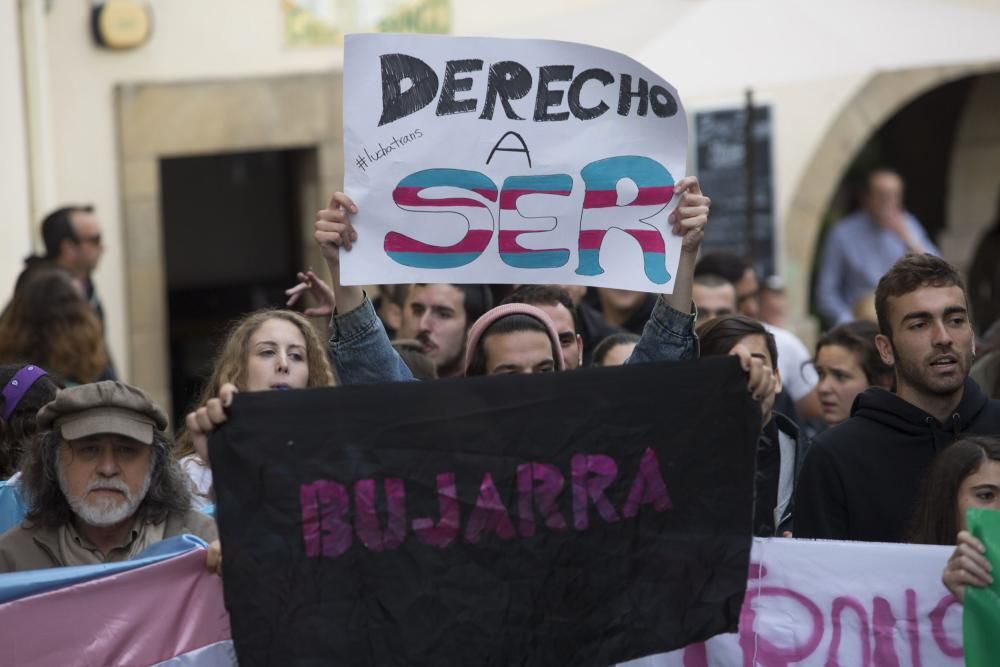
{"points": [[861, 478]]}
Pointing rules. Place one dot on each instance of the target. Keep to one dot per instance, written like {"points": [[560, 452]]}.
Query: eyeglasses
{"points": [[95, 239]]}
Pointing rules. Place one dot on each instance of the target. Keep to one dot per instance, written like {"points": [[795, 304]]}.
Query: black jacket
{"points": [[780, 449], [861, 479]]}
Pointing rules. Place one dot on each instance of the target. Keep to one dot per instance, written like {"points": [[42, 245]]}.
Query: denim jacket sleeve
{"points": [[667, 336], [360, 349]]}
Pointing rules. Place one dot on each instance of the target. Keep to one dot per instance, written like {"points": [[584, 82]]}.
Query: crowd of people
{"points": [[888, 430]]}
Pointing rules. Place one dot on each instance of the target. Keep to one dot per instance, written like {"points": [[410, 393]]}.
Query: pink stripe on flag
{"points": [[475, 241], [139, 617], [411, 197], [646, 197]]}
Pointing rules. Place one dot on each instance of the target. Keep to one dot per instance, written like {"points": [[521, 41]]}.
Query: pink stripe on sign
{"points": [[508, 240], [590, 239], [646, 197], [649, 240], [508, 198], [475, 241], [120, 619], [411, 197]]}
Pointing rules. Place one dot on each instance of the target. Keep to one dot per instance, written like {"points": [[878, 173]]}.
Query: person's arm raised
{"points": [[201, 423], [359, 346], [669, 333], [333, 231], [688, 221]]}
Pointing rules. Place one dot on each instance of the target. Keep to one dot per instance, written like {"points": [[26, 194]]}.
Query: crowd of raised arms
{"points": [[887, 431]]}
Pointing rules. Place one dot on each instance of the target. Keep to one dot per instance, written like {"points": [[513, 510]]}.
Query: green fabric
{"points": [[981, 618]]}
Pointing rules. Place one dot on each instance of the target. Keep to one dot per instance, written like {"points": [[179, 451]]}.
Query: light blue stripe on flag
{"points": [[12, 507], [17, 585], [219, 654]]}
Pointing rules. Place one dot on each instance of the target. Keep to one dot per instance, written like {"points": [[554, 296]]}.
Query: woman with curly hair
{"points": [[49, 323], [265, 350]]}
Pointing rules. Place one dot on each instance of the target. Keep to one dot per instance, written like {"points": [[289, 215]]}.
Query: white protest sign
{"points": [[827, 604], [509, 161]]}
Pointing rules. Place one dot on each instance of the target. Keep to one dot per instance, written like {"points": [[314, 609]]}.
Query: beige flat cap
{"points": [[103, 407]]}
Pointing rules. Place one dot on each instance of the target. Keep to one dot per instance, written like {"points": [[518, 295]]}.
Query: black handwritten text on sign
{"points": [[509, 81], [581, 518]]}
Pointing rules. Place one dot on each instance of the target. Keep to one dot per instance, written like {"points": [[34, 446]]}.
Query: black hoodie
{"points": [[860, 479]]}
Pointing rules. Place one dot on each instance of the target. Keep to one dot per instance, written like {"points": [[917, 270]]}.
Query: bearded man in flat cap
{"points": [[101, 483]]}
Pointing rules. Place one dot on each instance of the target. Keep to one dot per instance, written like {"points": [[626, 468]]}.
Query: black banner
{"points": [[577, 518]]}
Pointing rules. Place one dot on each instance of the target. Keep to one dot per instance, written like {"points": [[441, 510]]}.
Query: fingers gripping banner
{"points": [[501, 160], [577, 518]]}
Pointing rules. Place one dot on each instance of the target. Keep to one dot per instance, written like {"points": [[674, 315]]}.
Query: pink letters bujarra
{"points": [[327, 528]]}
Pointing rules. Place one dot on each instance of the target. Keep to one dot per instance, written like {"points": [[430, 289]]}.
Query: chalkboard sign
{"points": [[721, 167]]}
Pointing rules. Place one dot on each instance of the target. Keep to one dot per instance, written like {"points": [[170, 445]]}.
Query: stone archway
{"points": [[158, 121], [881, 97]]}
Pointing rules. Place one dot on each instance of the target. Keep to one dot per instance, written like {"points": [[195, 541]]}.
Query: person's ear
{"points": [[885, 350], [777, 382], [67, 248], [579, 347]]}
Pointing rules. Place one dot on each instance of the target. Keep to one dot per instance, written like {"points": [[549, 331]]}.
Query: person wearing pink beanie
{"points": [[513, 338]]}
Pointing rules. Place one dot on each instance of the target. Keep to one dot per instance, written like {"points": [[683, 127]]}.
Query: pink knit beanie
{"points": [[491, 316]]}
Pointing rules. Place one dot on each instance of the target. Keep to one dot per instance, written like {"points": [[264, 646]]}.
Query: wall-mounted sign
{"points": [[722, 156], [121, 24], [325, 22]]}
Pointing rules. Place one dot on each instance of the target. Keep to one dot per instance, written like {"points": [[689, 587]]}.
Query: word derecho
{"points": [[326, 506], [509, 81]]}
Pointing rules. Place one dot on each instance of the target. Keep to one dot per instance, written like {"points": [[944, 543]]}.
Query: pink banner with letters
{"points": [[815, 602]]}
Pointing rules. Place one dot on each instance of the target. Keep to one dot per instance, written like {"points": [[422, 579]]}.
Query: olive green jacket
{"points": [[31, 546]]}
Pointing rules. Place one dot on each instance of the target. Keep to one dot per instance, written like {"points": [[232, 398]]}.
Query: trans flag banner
{"points": [[478, 160], [161, 608]]}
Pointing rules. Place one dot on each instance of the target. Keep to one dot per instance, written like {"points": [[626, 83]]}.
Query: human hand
{"points": [[203, 421], [213, 559], [762, 381], [894, 220], [690, 217], [333, 228], [323, 293], [967, 566]]}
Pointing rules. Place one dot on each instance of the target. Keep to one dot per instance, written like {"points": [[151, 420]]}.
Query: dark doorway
{"points": [[917, 142], [232, 243]]}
